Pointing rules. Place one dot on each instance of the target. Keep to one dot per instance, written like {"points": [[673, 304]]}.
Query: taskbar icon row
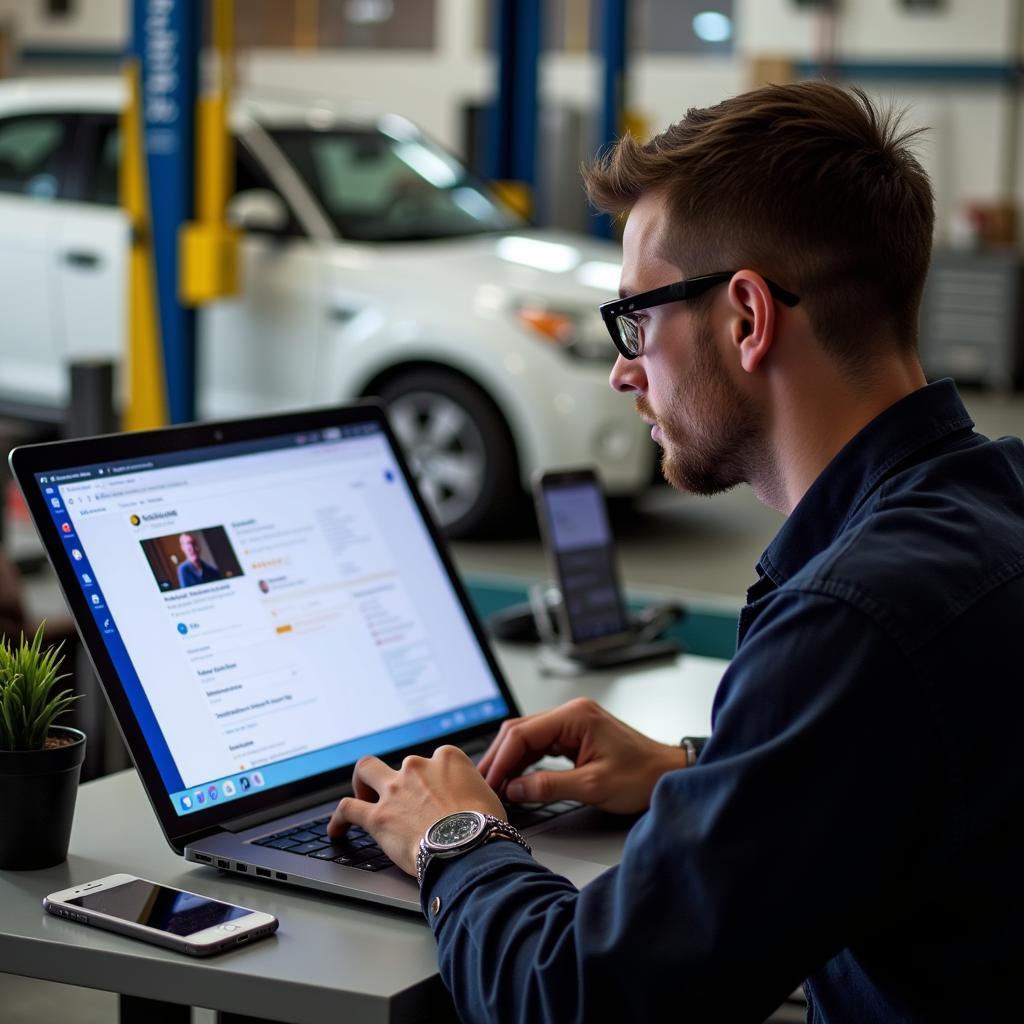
{"points": [[209, 794]]}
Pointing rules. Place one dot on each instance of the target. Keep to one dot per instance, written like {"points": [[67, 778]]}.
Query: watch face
{"points": [[456, 829]]}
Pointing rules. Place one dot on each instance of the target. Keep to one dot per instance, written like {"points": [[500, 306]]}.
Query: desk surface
{"points": [[332, 959]]}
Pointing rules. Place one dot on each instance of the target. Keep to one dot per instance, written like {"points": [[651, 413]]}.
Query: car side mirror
{"points": [[258, 209]]}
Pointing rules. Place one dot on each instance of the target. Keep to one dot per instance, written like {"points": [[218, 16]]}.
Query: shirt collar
{"points": [[893, 437]]}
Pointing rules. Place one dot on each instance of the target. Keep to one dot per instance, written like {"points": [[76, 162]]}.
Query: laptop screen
{"points": [[274, 608]]}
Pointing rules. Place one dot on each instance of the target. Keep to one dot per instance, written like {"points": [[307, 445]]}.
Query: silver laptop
{"points": [[265, 602]]}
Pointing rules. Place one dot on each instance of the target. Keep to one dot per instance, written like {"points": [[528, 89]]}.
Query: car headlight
{"points": [[579, 334]]}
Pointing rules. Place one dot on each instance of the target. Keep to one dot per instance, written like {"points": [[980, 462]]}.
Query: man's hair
{"points": [[809, 184]]}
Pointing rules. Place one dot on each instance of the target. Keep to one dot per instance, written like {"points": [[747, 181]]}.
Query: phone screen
{"points": [[580, 536], [157, 906]]}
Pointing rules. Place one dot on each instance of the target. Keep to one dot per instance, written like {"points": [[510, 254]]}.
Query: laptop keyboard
{"points": [[357, 849]]}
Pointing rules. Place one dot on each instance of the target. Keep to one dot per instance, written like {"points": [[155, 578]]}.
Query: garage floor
{"points": [[704, 548]]}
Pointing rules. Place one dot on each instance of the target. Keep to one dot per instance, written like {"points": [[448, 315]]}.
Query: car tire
{"points": [[458, 447]]}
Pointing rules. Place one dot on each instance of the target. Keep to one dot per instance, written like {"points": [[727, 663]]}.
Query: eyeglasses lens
{"points": [[629, 333]]}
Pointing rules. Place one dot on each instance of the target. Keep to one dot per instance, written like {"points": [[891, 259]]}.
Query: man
{"points": [[854, 820], [194, 570]]}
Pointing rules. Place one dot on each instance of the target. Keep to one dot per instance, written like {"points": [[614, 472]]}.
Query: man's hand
{"points": [[397, 807], [616, 767]]}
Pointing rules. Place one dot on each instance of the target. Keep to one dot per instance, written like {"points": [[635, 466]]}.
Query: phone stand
{"points": [[642, 643], [556, 662]]}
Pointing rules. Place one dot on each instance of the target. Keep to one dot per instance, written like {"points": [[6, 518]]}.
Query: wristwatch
{"points": [[456, 834], [693, 745]]}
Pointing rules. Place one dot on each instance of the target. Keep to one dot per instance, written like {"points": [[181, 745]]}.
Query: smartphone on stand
{"points": [[573, 517], [160, 914], [594, 627]]}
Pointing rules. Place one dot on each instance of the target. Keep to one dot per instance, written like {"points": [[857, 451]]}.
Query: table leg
{"points": [[138, 1010]]}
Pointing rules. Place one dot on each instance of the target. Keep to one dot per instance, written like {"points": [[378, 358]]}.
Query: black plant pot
{"points": [[37, 802]]}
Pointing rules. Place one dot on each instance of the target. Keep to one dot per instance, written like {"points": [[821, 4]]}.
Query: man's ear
{"points": [[754, 318]]}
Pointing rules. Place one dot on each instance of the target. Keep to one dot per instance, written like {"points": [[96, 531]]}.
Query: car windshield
{"points": [[379, 187]]}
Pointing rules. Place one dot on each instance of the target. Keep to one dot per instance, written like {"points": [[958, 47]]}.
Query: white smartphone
{"points": [[157, 913]]}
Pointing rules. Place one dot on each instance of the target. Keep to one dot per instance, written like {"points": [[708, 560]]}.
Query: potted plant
{"points": [[39, 761]]}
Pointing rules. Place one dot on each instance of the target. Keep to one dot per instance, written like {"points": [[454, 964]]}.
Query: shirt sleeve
{"points": [[790, 838]]}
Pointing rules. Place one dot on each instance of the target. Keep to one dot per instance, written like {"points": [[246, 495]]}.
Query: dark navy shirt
{"points": [[189, 575], [855, 820]]}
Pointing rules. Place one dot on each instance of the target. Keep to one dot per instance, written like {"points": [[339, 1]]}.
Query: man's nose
{"points": [[627, 375]]}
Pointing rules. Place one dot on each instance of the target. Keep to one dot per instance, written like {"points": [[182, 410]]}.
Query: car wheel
{"points": [[458, 447]]}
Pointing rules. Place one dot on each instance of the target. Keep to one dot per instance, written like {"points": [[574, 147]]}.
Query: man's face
{"points": [[189, 547], [709, 430]]}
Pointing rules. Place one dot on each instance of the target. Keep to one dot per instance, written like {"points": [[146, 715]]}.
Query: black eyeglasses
{"points": [[619, 314]]}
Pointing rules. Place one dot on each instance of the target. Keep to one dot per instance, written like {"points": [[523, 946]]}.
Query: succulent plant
{"points": [[28, 706]]}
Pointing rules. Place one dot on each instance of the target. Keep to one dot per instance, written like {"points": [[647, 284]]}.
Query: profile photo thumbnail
{"points": [[190, 558]]}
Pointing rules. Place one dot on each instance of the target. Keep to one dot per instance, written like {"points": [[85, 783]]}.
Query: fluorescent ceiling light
{"points": [[712, 26]]}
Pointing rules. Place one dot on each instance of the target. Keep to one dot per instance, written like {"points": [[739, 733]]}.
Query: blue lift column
{"points": [[165, 43], [512, 142], [613, 86]]}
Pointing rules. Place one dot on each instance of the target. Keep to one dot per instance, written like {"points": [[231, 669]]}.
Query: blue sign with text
{"points": [[166, 41]]}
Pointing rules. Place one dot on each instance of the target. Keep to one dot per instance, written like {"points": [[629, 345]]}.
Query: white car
{"points": [[374, 264]]}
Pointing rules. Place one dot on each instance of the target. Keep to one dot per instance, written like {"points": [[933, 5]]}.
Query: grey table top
{"points": [[332, 959]]}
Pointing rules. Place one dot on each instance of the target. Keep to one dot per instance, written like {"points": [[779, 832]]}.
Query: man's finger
{"points": [[349, 811], [543, 787], [484, 763], [370, 776], [557, 731], [526, 742], [561, 714]]}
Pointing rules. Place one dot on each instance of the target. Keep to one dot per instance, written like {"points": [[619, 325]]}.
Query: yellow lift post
{"points": [[209, 246]]}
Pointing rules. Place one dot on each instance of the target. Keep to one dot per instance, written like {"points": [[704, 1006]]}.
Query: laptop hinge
{"points": [[282, 810]]}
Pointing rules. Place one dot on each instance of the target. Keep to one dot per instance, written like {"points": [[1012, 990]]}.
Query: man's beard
{"points": [[712, 438]]}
